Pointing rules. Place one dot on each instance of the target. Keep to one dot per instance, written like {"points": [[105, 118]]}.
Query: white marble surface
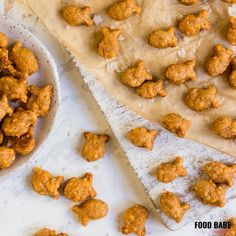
{"points": [[22, 211]]}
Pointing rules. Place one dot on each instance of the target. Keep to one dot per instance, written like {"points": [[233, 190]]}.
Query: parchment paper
{"points": [[155, 14]]}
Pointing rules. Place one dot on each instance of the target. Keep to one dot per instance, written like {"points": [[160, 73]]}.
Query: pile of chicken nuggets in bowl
{"points": [[28, 95]]}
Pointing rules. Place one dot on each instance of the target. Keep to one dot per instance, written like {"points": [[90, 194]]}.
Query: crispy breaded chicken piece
{"points": [[5, 108], [7, 157]]}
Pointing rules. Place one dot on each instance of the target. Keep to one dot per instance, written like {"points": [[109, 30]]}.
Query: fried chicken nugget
{"points": [[19, 123], [80, 189], [176, 124], [189, 2], [91, 209], [231, 33], [124, 9], [24, 59], [134, 220], [152, 89], [220, 173], [109, 46], [40, 99], [167, 172], [163, 38], [7, 157], [209, 193], [192, 24], [76, 16], [24, 144], [172, 206], [218, 63], [135, 76], [5, 108], [181, 73], [225, 127], [142, 137], [45, 184], [13, 88], [232, 230], [49, 232], [201, 99], [3, 40], [232, 76], [95, 146], [1, 136]]}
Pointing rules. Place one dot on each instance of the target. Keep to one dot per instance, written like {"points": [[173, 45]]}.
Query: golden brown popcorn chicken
{"points": [[1, 136], [201, 99], [135, 76], [232, 76], [48, 232], [220, 173], [109, 46], [3, 40], [13, 88], [24, 59], [218, 63], [167, 172], [19, 123], [209, 193], [173, 207], [142, 137], [124, 9], [7, 157], [192, 24], [80, 189], [163, 38], [91, 209], [176, 124], [231, 34], [24, 144], [225, 127], [229, 1], [232, 230], [95, 146], [152, 89], [181, 73], [189, 2], [45, 184], [76, 16], [40, 99], [5, 108], [134, 220]]}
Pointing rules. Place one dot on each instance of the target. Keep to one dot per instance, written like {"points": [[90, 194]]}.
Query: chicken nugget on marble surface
{"points": [[79, 189], [232, 230], [95, 146], [231, 33], [49, 232], [134, 220], [46, 184], [90, 209], [19, 123], [232, 76], [167, 172]]}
